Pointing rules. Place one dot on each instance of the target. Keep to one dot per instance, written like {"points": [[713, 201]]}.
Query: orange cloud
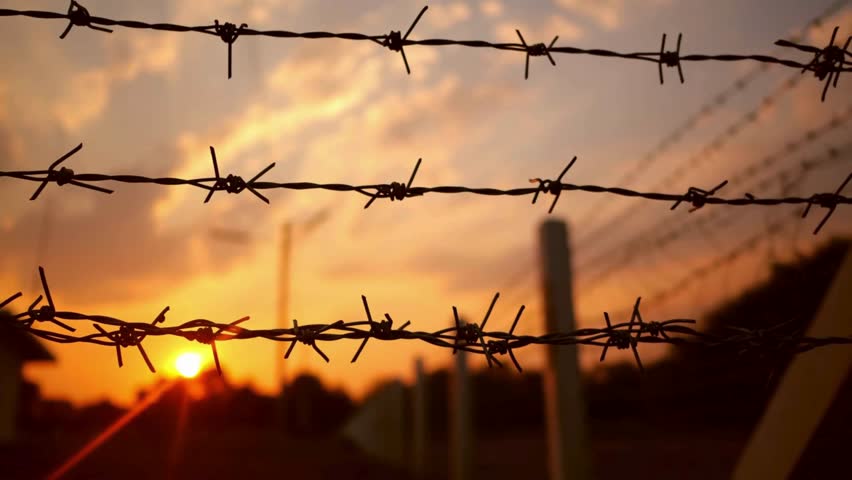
{"points": [[131, 56]]}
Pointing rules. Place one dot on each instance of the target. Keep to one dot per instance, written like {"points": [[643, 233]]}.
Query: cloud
{"points": [[491, 8], [111, 251], [550, 27], [129, 57], [316, 84], [607, 14], [11, 144], [446, 15], [437, 123], [821, 34]]}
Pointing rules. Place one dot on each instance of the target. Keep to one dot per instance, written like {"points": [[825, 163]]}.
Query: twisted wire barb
{"points": [[235, 184], [471, 338], [827, 65]]}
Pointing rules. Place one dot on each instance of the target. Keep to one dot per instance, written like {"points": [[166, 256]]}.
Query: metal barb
{"points": [[395, 41], [624, 339], [669, 58], [47, 313], [698, 197], [536, 50], [828, 201], [553, 187], [395, 190], [229, 33], [78, 15], [127, 336], [233, 183], [828, 63], [10, 299], [63, 176]]}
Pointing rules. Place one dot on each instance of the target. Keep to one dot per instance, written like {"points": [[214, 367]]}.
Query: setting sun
{"points": [[188, 364]]}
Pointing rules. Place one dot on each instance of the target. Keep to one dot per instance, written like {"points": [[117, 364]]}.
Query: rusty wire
{"points": [[827, 64], [470, 337], [235, 184]]}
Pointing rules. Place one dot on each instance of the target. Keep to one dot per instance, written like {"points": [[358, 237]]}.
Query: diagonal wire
{"points": [[705, 111], [655, 233]]}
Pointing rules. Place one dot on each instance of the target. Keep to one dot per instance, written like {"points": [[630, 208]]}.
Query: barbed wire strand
{"points": [[827, 64], [393, 191], [699, 273], [640, 245], [745, 173], [715, 145], [708, 109], [656, 237], [470, 337], [705, 269]]}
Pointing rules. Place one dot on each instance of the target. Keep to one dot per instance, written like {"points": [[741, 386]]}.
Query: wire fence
{"points": [[827, 63], [235, 184], [783, 338], [663, 232], [709, 108], [706, 152], [658, 238]]}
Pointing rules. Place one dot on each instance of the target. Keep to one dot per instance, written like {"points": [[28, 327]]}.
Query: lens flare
{"points": [[188, 364]]}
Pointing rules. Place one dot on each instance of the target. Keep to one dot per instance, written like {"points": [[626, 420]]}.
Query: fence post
{"points": [[565, 412], [461, 426], [806, 390], [281, 317], [419, 431]]}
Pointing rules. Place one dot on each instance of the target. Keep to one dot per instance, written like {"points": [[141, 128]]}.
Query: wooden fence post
{"points": [[461, 420], [420, 440], [565, 411]]}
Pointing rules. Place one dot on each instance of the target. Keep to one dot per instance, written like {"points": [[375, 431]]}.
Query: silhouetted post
{"points": [[566, 432], [461, 426], [10, 382], [419, 431], [806, 390], [378, 427], [282, 314]]}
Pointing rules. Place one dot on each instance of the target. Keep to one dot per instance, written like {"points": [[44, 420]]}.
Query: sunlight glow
{"points": [[188, 364]]}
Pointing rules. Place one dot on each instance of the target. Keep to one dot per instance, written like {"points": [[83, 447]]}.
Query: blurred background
{"points": [[152, 103]]}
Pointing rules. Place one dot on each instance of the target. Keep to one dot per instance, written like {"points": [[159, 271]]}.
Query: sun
{"points": [[188, 364]]}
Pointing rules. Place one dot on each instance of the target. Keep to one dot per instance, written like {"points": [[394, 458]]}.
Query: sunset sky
{"points": [[152, 103]]}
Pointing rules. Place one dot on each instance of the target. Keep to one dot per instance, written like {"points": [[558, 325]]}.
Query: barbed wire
{"points": [[715, 145], [393, 191], [469, 337], [646, 240], [630, 245], [744, 246], [827, 63], [705, 111]]}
